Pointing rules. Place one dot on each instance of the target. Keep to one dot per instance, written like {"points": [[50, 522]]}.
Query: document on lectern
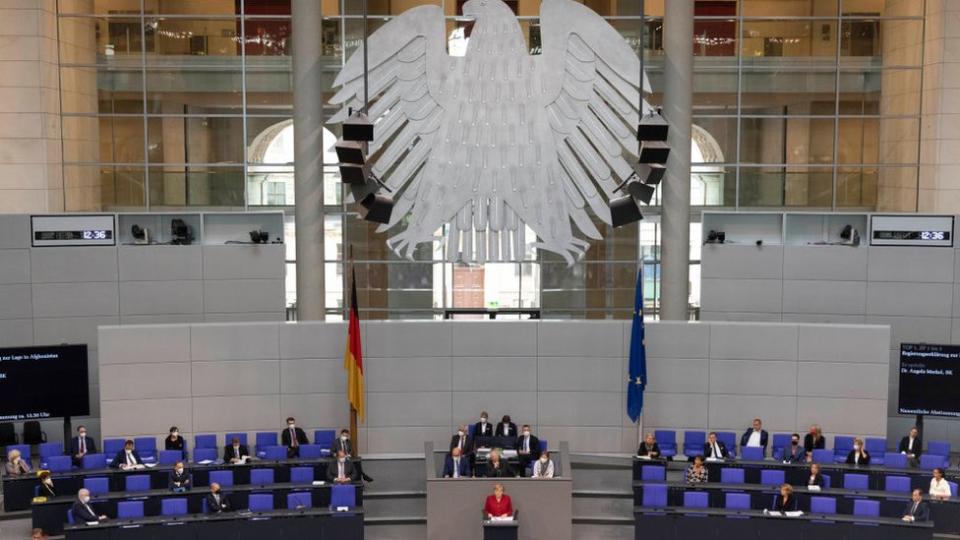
{"points": [[501, 518]]}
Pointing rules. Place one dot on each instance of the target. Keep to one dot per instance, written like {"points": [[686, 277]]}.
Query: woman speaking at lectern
{"points": [[498, 504]]}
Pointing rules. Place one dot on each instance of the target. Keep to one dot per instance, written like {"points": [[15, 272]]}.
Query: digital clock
{"points": [[73, 230], [912, 230]]}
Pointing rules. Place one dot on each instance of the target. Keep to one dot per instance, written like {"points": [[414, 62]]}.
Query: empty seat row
{"points": [[258, 477]]}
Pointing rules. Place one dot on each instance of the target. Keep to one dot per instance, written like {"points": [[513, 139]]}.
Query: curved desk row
{"points": [[276, 525], [51, 515], [715, 524]]}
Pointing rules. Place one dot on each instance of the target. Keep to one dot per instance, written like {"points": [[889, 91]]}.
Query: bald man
{"points": [[82, 510]]}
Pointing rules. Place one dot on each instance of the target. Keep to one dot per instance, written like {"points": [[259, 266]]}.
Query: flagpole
{"points": [[640, 420], [353, 412]]}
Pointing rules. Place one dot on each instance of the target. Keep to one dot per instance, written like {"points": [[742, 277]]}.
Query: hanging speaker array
{"points": [[639, 188], [355, 169]]}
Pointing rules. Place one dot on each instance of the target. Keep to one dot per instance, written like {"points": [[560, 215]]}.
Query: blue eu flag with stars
{"points": [[637, 381]]}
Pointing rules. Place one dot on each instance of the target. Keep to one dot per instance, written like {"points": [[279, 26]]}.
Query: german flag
{"points": [[353, 356]]}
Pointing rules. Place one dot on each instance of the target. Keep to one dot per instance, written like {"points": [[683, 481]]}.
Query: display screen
{"points": [[98, 234], [912, 235], [929, 379], [44, 382]]}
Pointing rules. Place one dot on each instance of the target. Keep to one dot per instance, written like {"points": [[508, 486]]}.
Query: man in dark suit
{"points": [[528, 449], [916, 509], [217, 502], [292, 438], [756, 436], [714, 448], [505, 428], [81, 445], [912, 446], [483, 428], [128, 458], [340, 471], [179, 479], [462, 441], [456, 466], [794, 453], [82, 511], [235, 452], [344, 444]]}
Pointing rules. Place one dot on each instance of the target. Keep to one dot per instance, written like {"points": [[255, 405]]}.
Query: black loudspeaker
{"points": [[138, 232], [653, 127], [354, 174], [624, 210], [180, 233], [357, 127], [259, 237], [641, 192], [377, 208], [350, 152], [657, 171], [654, 152]]}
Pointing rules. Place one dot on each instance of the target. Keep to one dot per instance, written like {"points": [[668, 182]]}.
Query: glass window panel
{"points": [[103, 187], [859, 140], [332, 39], [810, 140], [903, 8], [762, 140], [630, 29], [269, 186], [266, 7], [394, 7], [712, 185], [715, 38], [353, 33], [267, 37], [270, 140], [860, 38], [176, 90], [185, 185], [192, 7], [897, 189], [902, 42], [121, 139], [790, 186], [789, 92], [333, 285], [898, 140], [860, 92], [333, 238], [714, 140], [194, 38], [789, 8], [762, 187], [87, 40], [333, 188], [789, 39], [191, 139], [78, 90], [651, 8], [714, 89], [857, 187], [99, 7]]}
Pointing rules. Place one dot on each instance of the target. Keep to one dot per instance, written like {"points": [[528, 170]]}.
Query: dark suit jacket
{"points": [[229, 454], [173, 445], [301, 437], [500, 432], [746, 437], [653, 452], [779, 505], [864, 459], [503, 471], [708, 450], [184, 480], [348, 470], [922, 513], [464, 467], [810, 446], [467, 443], [479, 432], [794, 456], [534, 446], [816, 481], [47, 491], [82, 515], [917, 446], [224, 506], [121, 459], [75, 446], [338, 445]]}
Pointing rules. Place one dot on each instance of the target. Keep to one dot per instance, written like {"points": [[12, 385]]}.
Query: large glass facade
{"points": [[804, 104]]}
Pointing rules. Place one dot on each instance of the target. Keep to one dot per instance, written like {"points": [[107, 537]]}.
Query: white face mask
{"points": [[291, 426], [856, 447], [544, 459], [342, 460], [83, 434], [48, 481], [129, 451], [483, 419], [85, 500], [460, 433], [174, 434], [236, 447], [179, 471], [526, 433], [344, 438]]}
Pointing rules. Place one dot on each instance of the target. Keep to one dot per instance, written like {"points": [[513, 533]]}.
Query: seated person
{"points": [[939, 487], [497, 468], [785, 502], [340, 471], [916, 509], [649, 447], [179, 479], [714, 448], [127, 458], [16, 465], [815, 478], [912, 446], [697, 473], [528, 448], [46, 485], [859, 454], [498, 504], [174, 441], [81, 445], [292, 438], [456, 466], [462, 441], [235, 452], [483, 428], [217, 501], [756, 436], [83, 512], [505, 428], [543, 466], [794, 453], [813, 440], [344, 443]]}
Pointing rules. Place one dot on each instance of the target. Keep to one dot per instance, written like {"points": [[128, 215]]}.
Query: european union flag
{"points": [[637, 381]]}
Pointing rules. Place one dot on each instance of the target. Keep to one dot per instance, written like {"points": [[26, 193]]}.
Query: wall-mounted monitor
{"points": [[929, 378], [43, 382], [911, 230], [73, 230]]}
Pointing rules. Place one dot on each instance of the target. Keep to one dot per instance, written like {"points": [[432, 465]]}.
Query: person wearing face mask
{"points": [[46, 485], [815, 478], [456, 466], [505, 428], [461, 439], [528, 448], [16, 465], [81, 445], [83, 511], [794, 453], [217, 501], [482, 431], [174, 441], [496, 467], [127, 458], [343, 443], [179, 479], [543, 466], [340, 471], [235, 452], [859, 454], [293, 437]]}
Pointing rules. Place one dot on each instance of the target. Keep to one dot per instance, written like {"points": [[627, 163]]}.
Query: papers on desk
{"points": [[795, 513], [151, 465], [92, 523], [508, 453], [343, 509], [319, 483], [645, 458], [813, 488], [712, 459], [774, 513], [205, 462], [501, 518]]}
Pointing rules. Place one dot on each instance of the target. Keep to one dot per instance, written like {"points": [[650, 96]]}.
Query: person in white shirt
{"points": [[755, 437], [543, 467], [127, 458], [939, 487], [912, 446]]}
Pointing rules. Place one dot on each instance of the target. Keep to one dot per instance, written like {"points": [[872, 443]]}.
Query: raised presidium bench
{"points": [[273, 525], [712, 523], [19, 492], [945, 515], [51, 514]]}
